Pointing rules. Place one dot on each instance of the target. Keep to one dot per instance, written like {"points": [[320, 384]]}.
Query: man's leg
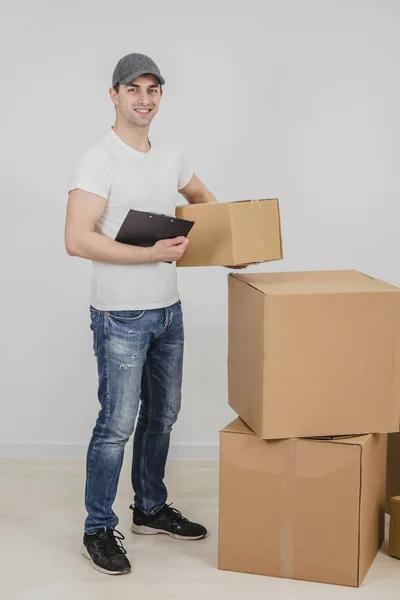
{"points": [[160, 405], [121, 341], [161, 401]]}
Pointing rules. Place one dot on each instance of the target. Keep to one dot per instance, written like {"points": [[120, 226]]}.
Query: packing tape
{"points": [[257, 221], [289, 497]]}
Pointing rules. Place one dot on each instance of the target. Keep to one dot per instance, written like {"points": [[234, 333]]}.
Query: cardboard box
{"points": [[301, 509], [392, 468], [232, 233], [394, 530], [314, 353]]}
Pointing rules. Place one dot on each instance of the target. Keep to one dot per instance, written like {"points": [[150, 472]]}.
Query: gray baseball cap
{"points": [[133, 65]]}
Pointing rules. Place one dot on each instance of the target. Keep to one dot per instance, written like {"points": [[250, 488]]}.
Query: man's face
{"points": [[139, 101]]}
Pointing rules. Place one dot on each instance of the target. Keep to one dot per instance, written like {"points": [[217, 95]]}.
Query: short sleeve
{"points": [[185, 171], [94, 173]]}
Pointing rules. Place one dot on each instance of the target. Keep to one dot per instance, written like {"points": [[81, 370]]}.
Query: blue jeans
{"points": [[139, 357]]}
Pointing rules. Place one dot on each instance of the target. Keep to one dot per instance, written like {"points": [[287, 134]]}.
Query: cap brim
{"points": [[134, 76]]}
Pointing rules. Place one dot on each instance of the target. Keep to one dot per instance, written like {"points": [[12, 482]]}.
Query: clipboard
{"points": [[141, 228]]}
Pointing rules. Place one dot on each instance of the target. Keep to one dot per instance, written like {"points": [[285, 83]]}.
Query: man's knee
{"points": [[163, 423], [118, 430]]}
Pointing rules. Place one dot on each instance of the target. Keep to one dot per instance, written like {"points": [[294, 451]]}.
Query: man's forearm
{"points": [[100, 248], [207, 196], [196, 192], [202, 197]]}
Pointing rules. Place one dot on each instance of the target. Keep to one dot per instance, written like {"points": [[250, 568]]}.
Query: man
{"points": [[136, 314]]}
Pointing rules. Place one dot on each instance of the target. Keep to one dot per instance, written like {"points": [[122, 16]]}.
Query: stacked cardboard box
{"points": [[314, 377], [298, 508]]}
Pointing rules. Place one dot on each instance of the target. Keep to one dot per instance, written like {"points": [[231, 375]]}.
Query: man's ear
{"points": [[113, 96]]}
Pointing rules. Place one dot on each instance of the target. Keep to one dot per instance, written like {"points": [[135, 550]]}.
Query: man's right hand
{"points": [[169, 250]]}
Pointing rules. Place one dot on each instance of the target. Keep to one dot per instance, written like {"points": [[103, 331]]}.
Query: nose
{"points": [[144, 98]]}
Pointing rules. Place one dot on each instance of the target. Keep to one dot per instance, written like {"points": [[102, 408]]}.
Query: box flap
{"points": [[237, 426], [315, 282], [354, 440]]}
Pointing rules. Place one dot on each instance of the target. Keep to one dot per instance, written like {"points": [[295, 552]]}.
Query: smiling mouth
{"points": [[143, 111]]}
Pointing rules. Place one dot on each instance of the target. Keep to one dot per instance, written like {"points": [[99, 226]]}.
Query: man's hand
{"points": [[168, 250]]}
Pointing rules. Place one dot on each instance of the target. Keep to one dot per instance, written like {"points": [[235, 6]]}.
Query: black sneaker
{"points": [[167, 520], [104, 548]]}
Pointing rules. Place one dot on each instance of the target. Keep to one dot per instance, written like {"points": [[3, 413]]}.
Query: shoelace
{"points": [[115, 541], [176, 515]]}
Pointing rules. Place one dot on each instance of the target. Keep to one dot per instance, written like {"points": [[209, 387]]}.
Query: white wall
{"points": [[298, 100]]}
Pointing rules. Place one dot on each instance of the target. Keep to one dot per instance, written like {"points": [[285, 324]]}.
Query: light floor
{"points": [[41, 518]]}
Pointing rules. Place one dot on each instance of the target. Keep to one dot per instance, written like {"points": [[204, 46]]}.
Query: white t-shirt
{"points": [[128, 179]]}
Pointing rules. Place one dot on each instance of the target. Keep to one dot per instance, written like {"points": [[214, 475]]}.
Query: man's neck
{"points": [[135, 138]]}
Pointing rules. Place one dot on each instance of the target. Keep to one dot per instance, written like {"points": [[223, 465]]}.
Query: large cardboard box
{"points": [[314, 353], [301, 509], [392, 468], [232, 233]]}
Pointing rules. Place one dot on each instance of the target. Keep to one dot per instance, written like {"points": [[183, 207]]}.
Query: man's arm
{"points": [[196, 192], [83, 210]]}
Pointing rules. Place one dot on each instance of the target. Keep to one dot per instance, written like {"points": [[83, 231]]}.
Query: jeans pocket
{"points": [[94, 326], [125, 316]]}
